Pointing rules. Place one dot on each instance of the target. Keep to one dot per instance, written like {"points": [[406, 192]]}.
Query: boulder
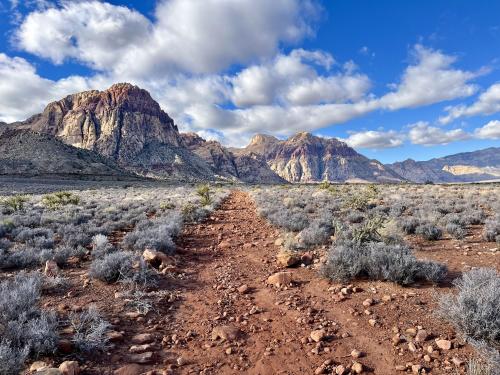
{"points": [[280, 278]]}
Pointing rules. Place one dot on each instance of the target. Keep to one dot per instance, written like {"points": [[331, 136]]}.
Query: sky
{"points": [[394, 79]]}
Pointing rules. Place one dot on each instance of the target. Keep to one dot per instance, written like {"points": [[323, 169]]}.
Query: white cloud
{"points": [[197, 36], [489, 131], [23, 92], [375, 139], [431, 79], [293, 80], [487, 104], [422, 134]]}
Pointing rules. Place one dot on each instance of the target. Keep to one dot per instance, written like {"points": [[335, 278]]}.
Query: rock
{"points": [[279, 241], [49, 371], [140, 348], [368, 302], [320, 370], [397, 339], [443, 344], [115, 336], [306, 258], [65, 346], [340, 370], [386, 298], [129, 370], [280, 279], [38, 365], [411, 347], [318, 335], [356, 354], [145, 357], [51, 268], [143, 338], [457, 362], [69, 368], [225, 333], [400, 368], [421, 335], [372, 322], [244, 289], [181, 361], [156, 259], [416, 369], [357, 368], [288, 258]]}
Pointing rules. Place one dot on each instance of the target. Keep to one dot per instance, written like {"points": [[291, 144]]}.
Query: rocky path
{"points": [[231, 320]]}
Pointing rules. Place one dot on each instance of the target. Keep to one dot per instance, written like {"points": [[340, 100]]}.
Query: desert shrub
{"points": [[112, 267], [14, 203], [357, 201], [487, 361], [409, 224], [59, 199], [474, 310], [429, 231], [491, 230], [192, 213], [317, 233], [26, 331], [379, 261], [203, 192], [90, 330], [5, 243], [290, 220], [397, 209], [456, 231], [473, 217], [101, 246], [73, 235]]}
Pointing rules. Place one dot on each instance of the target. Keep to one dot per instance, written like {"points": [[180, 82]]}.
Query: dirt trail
{"points": [[235, 247]]}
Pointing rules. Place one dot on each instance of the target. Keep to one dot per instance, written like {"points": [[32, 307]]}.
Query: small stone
{"points": [[421, 335], [49, 371], [457, 361], [145, 357], [400, 368], [443, 344], [65, 346], [320, 370], [288, 258], [115, 336], [318, 335], [386, 298], [357, 368], [280, 279], [38, 365], [129, 370], [69, 368], [181, 361], [142, 338], [411, 347], [356, 354], [397, 339], [372, 322], [140, 348], [244, 289], [416, 369], [225, 333], [427, 358], [368, 302], [156, 259], [411, 331], [340, 370]]}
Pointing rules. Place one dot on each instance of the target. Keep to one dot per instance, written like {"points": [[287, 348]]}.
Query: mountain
{"points": [[308, 158], [125, 124], [481, 165], [246, 168], [27, 153]]}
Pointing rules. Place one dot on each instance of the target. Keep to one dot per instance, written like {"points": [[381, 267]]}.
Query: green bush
{"points": [[59, 199], [15, 203], [204, 192]]}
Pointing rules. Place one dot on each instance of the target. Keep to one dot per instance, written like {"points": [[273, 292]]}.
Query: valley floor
{"points": [[219, 315]]}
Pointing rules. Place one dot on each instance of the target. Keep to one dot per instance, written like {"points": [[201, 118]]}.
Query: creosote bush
{"points": [[429, 231], [112, 267], [59, 199], [379, 261]]}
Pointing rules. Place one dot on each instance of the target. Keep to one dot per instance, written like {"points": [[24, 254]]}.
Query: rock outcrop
{"points": [[308, 158]]}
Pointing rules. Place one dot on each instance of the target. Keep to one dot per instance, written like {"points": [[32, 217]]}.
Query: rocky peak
{"points": [[119, 122], [259, 139]]}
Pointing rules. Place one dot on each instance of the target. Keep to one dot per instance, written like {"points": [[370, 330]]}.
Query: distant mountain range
{"points": [[122, 131]]}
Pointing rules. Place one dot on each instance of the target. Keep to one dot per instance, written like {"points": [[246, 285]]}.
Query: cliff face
{"points": [[118, 123], [250, 168], [308, 158]]}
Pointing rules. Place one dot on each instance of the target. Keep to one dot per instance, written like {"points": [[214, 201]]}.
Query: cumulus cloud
{"points": [[421, 133], [23, 92], [487, 104], [489, 131], [431, 79], [375, 139], [199, 36]]}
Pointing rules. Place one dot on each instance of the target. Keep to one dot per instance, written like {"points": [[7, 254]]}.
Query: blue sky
{"points": [[394, 79]]}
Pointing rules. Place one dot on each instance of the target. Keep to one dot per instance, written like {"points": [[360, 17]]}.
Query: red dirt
{"points": [[235, 247]]}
